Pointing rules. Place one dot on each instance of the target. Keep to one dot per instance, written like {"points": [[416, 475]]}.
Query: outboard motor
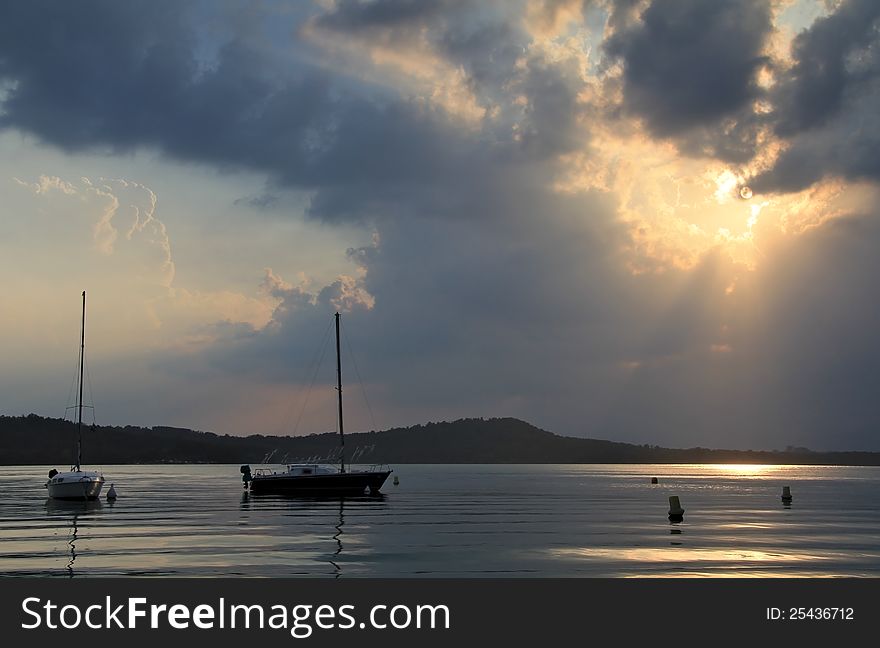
{"points": [[52, 473], [245, 475]]}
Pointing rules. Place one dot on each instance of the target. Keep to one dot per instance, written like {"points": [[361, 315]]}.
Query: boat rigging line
{"points": [[358, 374], [317, 366]]}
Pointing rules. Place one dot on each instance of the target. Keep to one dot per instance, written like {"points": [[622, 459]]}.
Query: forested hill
{"points": [[34, 439]]}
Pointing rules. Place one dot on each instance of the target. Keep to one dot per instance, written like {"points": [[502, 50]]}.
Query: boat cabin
{"points": [[310, 469]]}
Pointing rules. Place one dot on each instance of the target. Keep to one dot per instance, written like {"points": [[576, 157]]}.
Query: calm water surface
{"points": [[443, 521]]}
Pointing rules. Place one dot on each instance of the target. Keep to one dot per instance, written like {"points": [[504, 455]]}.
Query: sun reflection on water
{"points": [[679, 560]]}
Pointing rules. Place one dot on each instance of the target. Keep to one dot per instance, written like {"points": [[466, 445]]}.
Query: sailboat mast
{"points": [[82, 361], [339, 389]]}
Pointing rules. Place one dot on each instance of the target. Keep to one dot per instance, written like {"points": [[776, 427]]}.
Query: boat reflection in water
{"points": [[338, 538], [323, 518], [71, 511]]}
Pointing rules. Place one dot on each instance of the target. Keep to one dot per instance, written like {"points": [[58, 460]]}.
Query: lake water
{"points": [[458, 520]]}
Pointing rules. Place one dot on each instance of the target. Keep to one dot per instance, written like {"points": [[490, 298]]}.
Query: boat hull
{"points": [[75, 486], [350, 483]]}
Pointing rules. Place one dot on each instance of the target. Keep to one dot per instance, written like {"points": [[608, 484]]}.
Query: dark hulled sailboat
{"points": [[316, 479]]}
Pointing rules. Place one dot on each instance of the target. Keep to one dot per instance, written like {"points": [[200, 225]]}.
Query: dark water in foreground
{"points": [[498, 520]]}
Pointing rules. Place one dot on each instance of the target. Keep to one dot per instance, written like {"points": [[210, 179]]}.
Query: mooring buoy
{"points": [[676, 513], [654, 480], [786, 493], [111, 494]]}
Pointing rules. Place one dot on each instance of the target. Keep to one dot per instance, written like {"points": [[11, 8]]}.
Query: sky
{"points": [[652, 221]]}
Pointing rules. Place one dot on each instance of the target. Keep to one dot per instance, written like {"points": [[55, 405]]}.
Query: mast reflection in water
{"points": [[72, 511]]}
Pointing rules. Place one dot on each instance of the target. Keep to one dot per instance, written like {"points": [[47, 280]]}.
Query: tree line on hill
{"points": [[37, 440]]}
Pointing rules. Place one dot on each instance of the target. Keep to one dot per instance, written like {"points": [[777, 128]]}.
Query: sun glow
{"points": [[741, 470], [678, 208]]}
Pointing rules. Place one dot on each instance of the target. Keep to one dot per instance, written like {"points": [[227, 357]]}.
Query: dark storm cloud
{"points": [[89, 73], [831, 57], [827, 103], [688, 64], [733, 141], [119, 76], [487, 49], [551, 120], [354, 16], [481, 39], [114, 76]]}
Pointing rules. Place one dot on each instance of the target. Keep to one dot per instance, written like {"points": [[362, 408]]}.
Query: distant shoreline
{"points": [[462, 463], [36, 440]]}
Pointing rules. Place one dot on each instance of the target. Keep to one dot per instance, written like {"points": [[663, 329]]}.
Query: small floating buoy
{"points": [[396, 480], [676, 513], [111, 494], [654, 480], [786, 493]]}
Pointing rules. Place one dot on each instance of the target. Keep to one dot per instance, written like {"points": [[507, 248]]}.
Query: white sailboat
{"points": [[77, 484]]}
